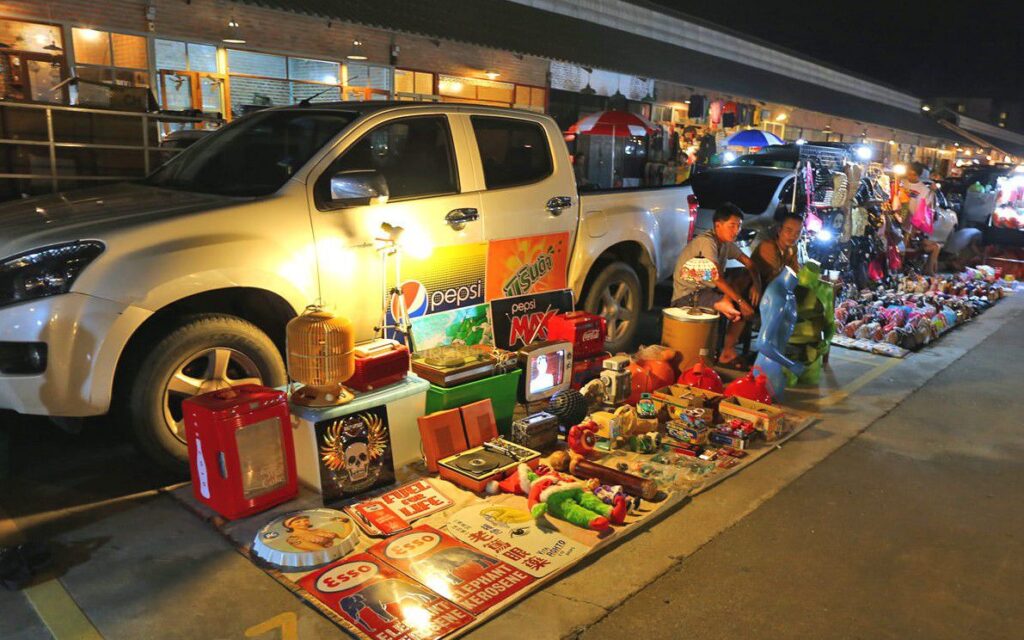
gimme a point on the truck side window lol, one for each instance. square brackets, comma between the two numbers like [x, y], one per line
[513, 152]
[415, 156]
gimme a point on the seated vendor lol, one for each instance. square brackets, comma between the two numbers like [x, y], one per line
[778, 248]
[733, 295]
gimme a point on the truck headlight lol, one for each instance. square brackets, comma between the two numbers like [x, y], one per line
[47, 271]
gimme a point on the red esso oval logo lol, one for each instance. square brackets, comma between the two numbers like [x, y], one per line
[346, 576]
[412, 545]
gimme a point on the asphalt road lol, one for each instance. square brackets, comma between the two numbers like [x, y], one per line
[911, 530]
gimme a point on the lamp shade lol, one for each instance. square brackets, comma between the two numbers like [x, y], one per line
[321, 357]
[700, 269]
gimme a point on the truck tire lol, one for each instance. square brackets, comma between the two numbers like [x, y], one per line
[201, 353]
[616, 295]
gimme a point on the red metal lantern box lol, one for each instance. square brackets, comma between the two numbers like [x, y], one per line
[240, 449]
[586, 332]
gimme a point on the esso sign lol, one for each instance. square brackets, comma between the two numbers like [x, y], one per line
[412, 545]
[346, 576]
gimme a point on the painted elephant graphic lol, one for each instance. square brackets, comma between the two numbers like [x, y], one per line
[377, 597]
[449, 560]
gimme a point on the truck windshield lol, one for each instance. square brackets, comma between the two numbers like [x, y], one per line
[254, 156]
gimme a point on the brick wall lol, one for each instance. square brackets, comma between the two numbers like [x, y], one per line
[280, 32]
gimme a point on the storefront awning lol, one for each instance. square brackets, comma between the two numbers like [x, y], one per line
[523, 29]
[974, 138]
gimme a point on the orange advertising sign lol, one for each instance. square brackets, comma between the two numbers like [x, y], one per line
[534, 264]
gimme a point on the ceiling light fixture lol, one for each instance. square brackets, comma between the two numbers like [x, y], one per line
[356, 52]
[233, 34]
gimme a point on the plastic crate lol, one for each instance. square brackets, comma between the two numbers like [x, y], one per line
[501, 389]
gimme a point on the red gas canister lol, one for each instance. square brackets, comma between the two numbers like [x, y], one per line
[702, 376]
[752, 387]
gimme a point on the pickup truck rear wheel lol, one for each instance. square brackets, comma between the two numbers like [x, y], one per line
[616, 295]
[202, 353]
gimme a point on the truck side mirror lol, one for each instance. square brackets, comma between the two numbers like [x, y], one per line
[358, 188]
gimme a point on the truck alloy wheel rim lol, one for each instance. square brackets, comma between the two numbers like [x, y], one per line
[207, 370]
[617, 306]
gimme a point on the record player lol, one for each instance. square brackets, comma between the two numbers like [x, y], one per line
[475, 468]
[450, 365]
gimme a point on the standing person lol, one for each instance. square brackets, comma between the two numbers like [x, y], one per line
[733, 295]
[778, 249]
[918, 189]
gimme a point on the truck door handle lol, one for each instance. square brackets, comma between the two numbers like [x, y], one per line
[457, 218]
[556, 205]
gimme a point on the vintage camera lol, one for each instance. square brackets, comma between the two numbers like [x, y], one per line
[618, 384]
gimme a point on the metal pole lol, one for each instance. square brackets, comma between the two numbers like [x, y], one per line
[145, 143]
[53, 149]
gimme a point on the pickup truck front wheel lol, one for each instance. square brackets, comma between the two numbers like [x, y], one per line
[616, 295]
[202, 353]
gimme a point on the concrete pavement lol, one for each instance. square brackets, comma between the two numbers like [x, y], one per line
[911, 530]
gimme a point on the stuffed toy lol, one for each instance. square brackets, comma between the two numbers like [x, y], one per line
[564, 497]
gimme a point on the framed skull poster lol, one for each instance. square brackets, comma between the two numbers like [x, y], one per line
[354, 454]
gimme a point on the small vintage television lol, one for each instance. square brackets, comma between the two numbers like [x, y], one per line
[547, 369]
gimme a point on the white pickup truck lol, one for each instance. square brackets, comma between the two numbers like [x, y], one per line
[128, 298]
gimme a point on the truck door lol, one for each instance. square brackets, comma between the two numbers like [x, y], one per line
[528, 188]
[440, 250]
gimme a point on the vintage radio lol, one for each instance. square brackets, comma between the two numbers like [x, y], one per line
[537, 431]
[451, 365]
[379, 363]
[240, 449]
[476, 468]
[586, 332]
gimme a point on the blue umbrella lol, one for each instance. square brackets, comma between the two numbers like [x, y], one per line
[753, 138]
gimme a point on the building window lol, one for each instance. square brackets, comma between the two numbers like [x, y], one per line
[185, 56]
[264, 80]
[33, 62]
[111, 58]
[414, 85]
[367, 82]
[488, 92]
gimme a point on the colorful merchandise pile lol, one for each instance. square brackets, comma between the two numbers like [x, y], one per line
[893, 322]
[442, 513]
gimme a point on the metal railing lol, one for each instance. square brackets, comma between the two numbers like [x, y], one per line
[52, 143]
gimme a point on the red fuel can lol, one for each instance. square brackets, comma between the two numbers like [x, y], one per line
[240, 449]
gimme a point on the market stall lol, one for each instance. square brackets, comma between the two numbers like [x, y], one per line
[419, 504]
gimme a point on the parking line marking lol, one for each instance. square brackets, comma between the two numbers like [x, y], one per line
[288, 622]
[51, 601]
[848, 389]
[59, 612]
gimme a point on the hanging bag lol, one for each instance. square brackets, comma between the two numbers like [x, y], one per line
[923, 217]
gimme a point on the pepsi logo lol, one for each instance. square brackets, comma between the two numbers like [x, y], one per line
[416, 298]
